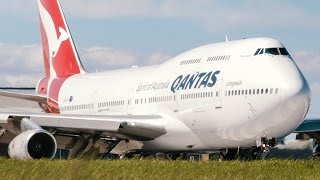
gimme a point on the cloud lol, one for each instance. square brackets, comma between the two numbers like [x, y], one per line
[308, 61]
[21, 57]
[19, 80]
[22, 65]
[315, 87]
[106, 58]
[212, 14]
[156, 58]
[103, 58]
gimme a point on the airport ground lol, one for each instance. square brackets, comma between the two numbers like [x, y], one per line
[157, 169]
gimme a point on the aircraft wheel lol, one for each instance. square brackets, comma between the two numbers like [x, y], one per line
[232, 154]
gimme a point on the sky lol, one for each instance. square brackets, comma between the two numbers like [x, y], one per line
[112, 34]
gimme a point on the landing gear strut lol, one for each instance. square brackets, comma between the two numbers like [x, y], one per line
[263, 147]
[316, 142]
[316, 150]
[241, 154]
[111, 145]
[88, 145]
[260, 151]
[78, 146]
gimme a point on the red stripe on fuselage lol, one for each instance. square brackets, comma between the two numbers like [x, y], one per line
[42, 87]
[53, 96]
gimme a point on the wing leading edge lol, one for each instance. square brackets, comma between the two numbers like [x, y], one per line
[308, 125]
[142, 127]
[308, 129]
[145, 127]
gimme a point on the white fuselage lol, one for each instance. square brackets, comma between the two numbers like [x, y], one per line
[212, 97]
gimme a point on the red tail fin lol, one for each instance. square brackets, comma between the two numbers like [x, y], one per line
[60, 55]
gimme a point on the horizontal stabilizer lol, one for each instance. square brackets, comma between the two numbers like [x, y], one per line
[29, 97]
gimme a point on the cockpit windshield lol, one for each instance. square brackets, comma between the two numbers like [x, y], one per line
[272, 51]
[284, 51]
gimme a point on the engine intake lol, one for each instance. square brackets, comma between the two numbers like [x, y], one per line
[33, 144]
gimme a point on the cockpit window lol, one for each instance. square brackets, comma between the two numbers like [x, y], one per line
[273, 51]
[257, 52]
[262, 51]
[284, 51]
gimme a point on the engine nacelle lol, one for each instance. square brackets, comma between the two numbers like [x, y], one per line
[33, 144]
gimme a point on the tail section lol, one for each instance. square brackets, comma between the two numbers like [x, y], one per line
[61, 59]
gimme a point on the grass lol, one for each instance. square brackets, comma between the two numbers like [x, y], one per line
[152, 169]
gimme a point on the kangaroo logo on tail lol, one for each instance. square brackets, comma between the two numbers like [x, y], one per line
[63, 37]
[61, 59]
[60, 55]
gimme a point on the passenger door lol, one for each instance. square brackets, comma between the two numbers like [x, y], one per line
[218, 94]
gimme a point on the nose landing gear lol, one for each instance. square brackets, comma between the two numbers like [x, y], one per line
[263, 147]
[260, 151]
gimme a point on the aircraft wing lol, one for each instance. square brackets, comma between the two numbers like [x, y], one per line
[309, 125]
[308, 129]
[144, 127]
[30, 97]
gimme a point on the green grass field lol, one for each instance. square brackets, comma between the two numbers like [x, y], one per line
[156, 169]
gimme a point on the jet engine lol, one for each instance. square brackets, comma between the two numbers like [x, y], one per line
[33, 144]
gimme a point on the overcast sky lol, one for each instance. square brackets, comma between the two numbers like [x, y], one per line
[113, 34]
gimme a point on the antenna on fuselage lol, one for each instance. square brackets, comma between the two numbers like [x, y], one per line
[227, 39]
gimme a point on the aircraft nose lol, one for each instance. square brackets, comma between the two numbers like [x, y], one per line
[296, 97]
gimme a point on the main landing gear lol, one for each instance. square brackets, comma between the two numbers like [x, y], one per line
[252, 153]
[316, 142]
[316, 150]
[88, 146]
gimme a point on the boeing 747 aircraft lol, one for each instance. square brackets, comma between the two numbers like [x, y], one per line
[225, 96]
